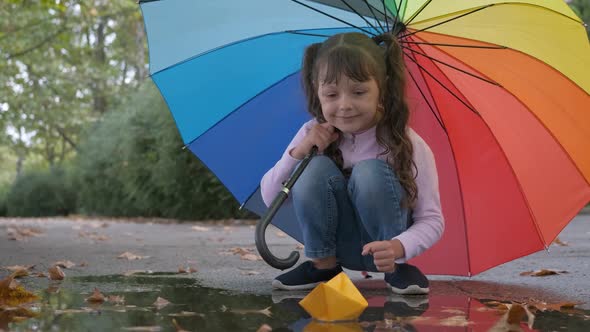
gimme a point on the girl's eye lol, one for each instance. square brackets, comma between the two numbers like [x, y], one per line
[359, 93]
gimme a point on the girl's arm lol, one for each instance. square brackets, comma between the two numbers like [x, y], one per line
[272, 181]
[428, 224]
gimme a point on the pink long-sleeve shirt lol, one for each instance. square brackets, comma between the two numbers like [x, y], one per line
[428, 220]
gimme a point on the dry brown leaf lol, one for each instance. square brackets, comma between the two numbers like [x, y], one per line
[186, 269]
[515, 314]
[41, 275]
[15, 268]
[96, 297]
[177, 327]
[21, 233]
[55, 273]
[143, 328]
[160, 303]
[129, 256]
[455, 321]
[65, 264]
[20, 273]
[264, 328]
[558, 242]
[542, 273]
[200, 228]
[543, 306]
[83, 264]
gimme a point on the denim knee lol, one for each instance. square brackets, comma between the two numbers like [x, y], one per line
[370, 177]
[315, 176]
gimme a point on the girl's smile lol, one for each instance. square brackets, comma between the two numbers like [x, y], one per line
[349, 105]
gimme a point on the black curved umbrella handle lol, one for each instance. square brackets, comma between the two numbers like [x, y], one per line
[260, 239]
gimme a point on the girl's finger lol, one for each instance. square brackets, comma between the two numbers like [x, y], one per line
[383, 254]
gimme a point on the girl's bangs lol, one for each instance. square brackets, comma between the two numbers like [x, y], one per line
[349, 61]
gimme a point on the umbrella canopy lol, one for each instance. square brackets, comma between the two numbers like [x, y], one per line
[500, 90]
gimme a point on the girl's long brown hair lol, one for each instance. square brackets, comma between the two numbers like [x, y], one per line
[361, 58]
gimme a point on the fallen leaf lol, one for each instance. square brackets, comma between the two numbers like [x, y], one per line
[186, 269]
[200, 228]
[543, 306]
[178, 328]
[116, 299]
[250, 257]
[132, 272]
[249, 273]
[455, 321]
[96, 297]
[21, 233]
[542, 273]
[10, 314]
[83, 264]
[65, 264]
[264, 328]
[20, 273]
[558, 242]
[55, 273]
[515, 314]
[41, 275]
[265, 311]
[15, 268]
[160, 303]
[143, 328]
[13, 294]
[129, 256]
[186, 314]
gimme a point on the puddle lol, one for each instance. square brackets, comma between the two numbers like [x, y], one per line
[62, 307]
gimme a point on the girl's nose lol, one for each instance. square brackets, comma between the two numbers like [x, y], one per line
[345, 103]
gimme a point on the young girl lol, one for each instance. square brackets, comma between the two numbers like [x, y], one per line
[369, 200]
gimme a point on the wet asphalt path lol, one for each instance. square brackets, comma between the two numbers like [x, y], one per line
[98, 243]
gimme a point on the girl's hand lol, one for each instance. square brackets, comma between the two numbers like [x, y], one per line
[384, 253]
[320, 135]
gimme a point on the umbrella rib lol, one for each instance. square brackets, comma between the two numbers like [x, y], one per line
[451, 66]
[417, 13]
[462, 199]
[359, 14]
[442, 85]
[455, 45]
[239, 107]
[385, 13]
[333, 17]
[307, 34]
[374, 16]
[396, 20]
[428, 103]
[449, 20]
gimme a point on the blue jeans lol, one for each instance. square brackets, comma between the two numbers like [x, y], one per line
[338, 216]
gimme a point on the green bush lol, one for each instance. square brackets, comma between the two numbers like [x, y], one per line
[132, 163]
[41, 193]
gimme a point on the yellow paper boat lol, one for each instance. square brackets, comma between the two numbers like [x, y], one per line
[335, 300]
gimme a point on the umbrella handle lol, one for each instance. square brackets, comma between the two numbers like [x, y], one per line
[279, 263]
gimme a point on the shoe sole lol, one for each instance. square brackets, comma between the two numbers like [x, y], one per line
[410, 290]
[276, 284]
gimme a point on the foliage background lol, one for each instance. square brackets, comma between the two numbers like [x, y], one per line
[82, 128]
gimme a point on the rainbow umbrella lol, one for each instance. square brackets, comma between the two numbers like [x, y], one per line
[498, 89]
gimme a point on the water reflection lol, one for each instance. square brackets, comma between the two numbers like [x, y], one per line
[195, 308]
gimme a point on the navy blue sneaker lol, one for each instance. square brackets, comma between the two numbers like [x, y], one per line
[305, 276]
[407, 280]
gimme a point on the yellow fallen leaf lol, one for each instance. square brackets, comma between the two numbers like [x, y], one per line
[129, 256]
[55, 273]
[65, 264]
[13, 294]
[160, 303]
[96, 297]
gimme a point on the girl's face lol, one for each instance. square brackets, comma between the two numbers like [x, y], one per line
[349, 105]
